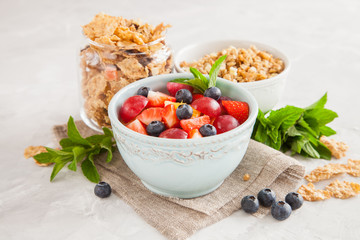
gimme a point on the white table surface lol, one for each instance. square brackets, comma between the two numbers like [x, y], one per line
[39, 43]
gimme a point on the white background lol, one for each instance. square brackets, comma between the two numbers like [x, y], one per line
[39, 43]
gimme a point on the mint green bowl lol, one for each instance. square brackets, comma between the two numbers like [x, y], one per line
[184, 168]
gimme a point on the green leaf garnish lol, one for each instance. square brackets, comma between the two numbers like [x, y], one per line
[76, 150]
[200, 82]
[296, 129]
[214, 71]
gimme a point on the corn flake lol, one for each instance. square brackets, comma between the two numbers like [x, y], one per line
[354, 168]
[326, 172]
[336, 148]
[309, 193]
[343, 189]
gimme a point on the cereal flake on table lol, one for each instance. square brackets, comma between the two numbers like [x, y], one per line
[31, 151]
[343, 189]
[241, 65]
[326, 172]
[120, 51]
[337, 149]
[309, 193]
[354, 167]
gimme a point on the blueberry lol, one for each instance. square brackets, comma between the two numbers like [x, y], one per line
[250, 204]
[183, 95]
[102, 190]
[280, 210]
[184, 111]
[295, 200]
[207, 130]
[155, 128]
[213, 92]
[266, 197]
[143, 91]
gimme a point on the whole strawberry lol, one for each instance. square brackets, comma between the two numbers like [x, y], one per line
[237, 109]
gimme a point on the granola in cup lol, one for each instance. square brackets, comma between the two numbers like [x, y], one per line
[117, 52]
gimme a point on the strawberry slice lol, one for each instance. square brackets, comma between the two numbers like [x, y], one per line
[195, 114]
[157, 99]
[237, 109]
[137, 126]
[197, 96]
[169, 116]
[195, 133]
[151, 114]
[194, 123]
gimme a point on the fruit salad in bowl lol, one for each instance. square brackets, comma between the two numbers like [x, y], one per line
[179, 140]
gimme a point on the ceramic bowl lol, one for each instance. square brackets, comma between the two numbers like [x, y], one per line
[267, 92]
[184, 168]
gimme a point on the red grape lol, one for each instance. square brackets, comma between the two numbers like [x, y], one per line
[176, 133]
[225, 123]
[207, 106]
[132, 107]
[174, 87]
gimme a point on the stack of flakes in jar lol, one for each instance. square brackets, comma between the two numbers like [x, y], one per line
[118, 52]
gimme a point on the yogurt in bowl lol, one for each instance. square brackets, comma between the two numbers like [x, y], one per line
[184, 168]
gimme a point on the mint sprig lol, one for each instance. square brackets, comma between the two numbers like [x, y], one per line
[200, 82]
[76, 150]
[296, 129]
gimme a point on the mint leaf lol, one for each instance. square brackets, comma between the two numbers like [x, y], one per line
[107, 144]
[79, 154]
[90, 171]
[74, 135]
[76, 149]
[55, 152]
[283, 119]
[56, 170]
[302, 123]
[44, 157]
[214, 71]
[318, 104]
[66, 142]
[296, 129]
[322, 116]
[308, 148]
[199, 75]
[107, 132]
[95, 139]
[324, 152]
[327, 131]
[195, 83]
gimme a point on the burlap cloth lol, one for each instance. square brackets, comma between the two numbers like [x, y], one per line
[180, 218]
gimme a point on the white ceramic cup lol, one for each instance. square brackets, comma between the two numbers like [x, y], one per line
[267, 92]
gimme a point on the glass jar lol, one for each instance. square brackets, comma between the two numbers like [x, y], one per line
[105, 69]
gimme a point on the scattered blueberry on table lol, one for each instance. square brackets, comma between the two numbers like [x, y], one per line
[281, 210]
[250, 204]
[294, 199]
[102, 190]
[266, 197]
